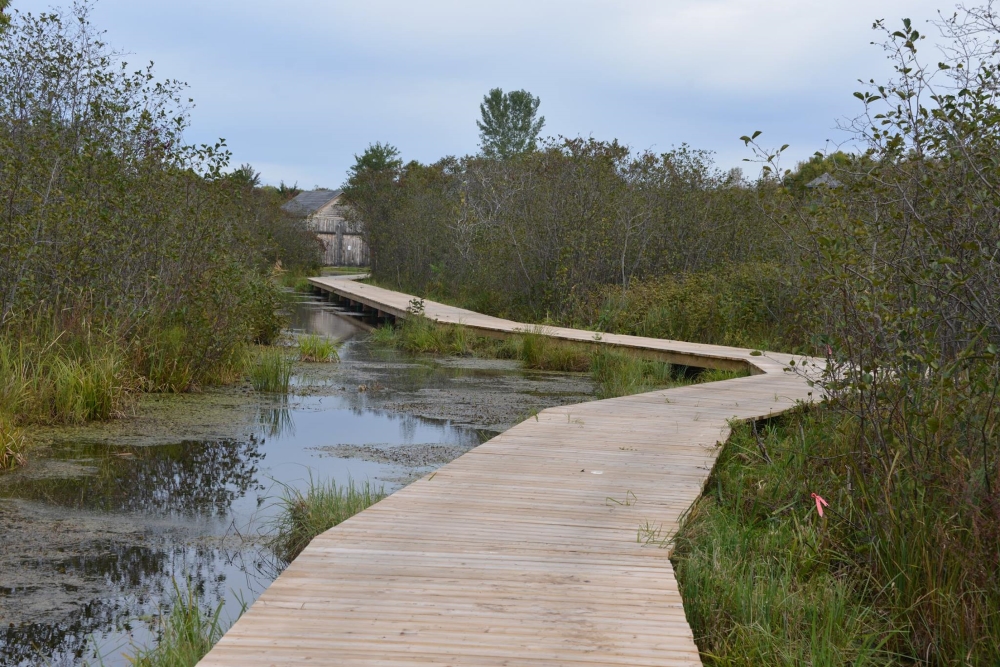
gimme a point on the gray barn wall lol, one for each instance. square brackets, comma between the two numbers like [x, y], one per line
[344, 245]
[344, 249]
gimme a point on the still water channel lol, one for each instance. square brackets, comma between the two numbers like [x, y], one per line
[106, 520]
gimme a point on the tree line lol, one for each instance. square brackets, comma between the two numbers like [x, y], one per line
[115, 233]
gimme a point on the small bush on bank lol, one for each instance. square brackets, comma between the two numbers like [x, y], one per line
[322, 506]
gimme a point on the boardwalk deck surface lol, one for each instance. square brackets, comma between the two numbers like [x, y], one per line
[529, 549]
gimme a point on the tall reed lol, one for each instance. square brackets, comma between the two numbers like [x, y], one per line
[58, 379]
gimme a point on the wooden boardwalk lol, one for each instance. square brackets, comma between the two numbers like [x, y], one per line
[531, 548]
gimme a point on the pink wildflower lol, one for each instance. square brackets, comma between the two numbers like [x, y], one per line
[820, 503]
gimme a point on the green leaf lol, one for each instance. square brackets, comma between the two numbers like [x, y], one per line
[756, 134]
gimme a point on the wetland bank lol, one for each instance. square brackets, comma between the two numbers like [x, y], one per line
[106, 517]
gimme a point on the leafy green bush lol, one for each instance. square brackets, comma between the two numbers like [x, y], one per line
[743, 305]
[536, 235]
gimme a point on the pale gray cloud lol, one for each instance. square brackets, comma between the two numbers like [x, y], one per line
[298, 87]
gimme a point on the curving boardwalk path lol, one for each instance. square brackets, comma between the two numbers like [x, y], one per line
[517, 553]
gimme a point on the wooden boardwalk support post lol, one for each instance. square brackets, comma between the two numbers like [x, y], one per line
[542, 546]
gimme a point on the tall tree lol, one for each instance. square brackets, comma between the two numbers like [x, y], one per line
[371, 191]
[509, 126]
[377, 158]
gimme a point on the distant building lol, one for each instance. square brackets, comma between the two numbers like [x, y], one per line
[343, 242]
[826, 179]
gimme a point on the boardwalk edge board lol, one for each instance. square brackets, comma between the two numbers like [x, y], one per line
[512, 554]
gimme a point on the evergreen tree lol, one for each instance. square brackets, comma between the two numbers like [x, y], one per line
[509, 126]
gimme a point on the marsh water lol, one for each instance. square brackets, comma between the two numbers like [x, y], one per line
[108, 520]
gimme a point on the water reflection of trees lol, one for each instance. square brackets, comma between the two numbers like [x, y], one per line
[139, 579]
[191, 477]
[275, 420]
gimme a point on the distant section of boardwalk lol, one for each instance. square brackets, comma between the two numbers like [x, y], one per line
[531, 549]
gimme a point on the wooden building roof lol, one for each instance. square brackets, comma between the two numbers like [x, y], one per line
[307, 203]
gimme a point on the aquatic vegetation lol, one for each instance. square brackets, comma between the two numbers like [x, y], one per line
[617, 372]
[321, 507]
[270, 370]
[187, 633]
[313, 347]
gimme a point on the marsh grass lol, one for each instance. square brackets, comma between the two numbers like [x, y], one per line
[538, 351]
[617, 372]
[13, 444]
[323, 505]
[59, 380]
[186, 634]
[316, 348]
[270, 370]
[766, 580]
[760, 579]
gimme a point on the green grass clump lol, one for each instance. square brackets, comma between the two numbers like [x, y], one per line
[187, 634]
[270, 370]
[318, 348]
[59, 380]
[538, 351]
[322, 506]
[761, 584]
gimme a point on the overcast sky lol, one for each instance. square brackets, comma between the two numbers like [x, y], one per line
[298, 87]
